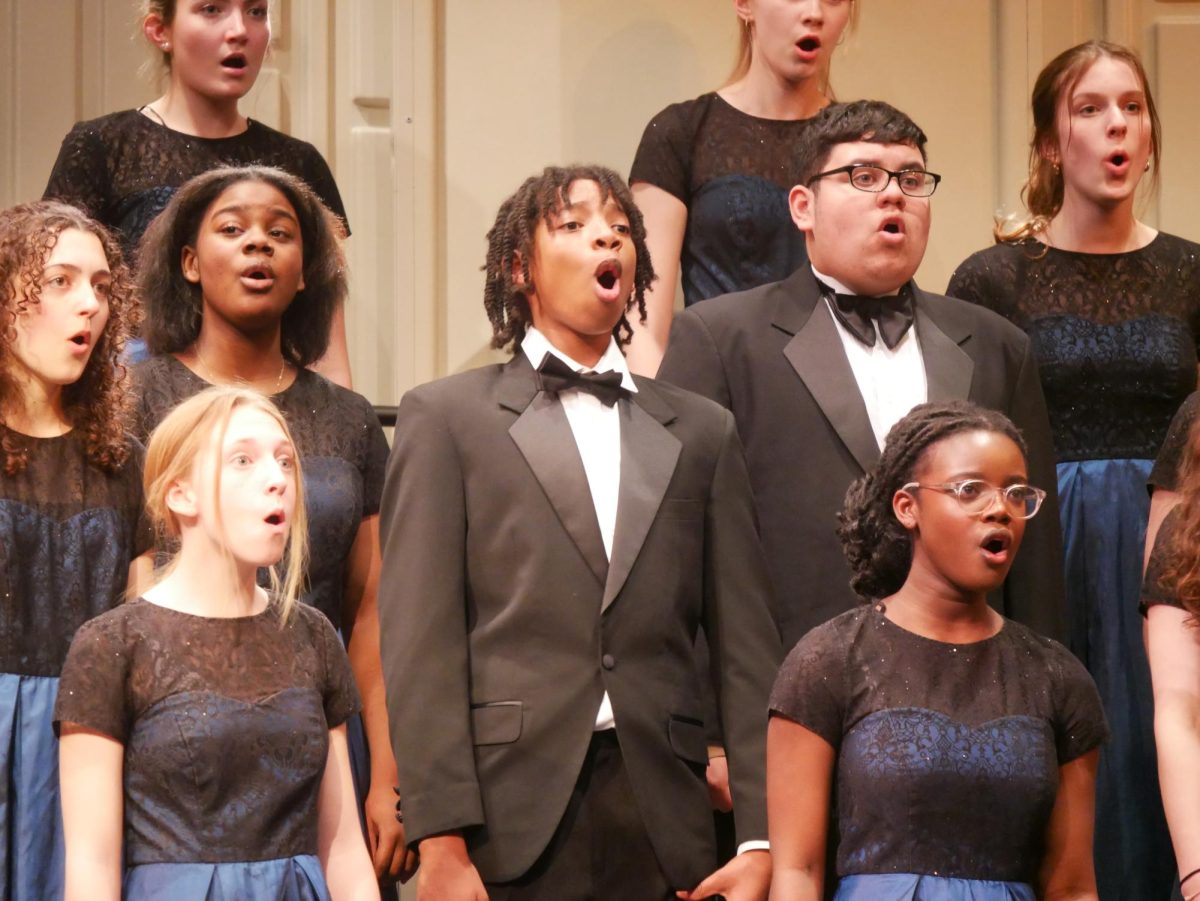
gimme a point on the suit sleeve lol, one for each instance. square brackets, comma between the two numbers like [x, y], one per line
[745, 647]
[423, 622]
[1034, 593]
[692, 360]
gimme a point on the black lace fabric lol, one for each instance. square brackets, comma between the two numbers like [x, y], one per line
[123, 168]
[68, 532]
[1115, 336]
[733, 172]
[343, 453]
[947, 755]
[1156, 587]
[1165, 473]
[225, 724]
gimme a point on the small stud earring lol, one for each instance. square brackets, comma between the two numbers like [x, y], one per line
[1147, 169]
[166, 45]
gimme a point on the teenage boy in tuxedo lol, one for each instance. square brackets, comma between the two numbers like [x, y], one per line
[818, 367]
[555, 530]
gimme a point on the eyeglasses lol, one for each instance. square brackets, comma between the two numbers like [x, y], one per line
[976, 496]
[913, 182]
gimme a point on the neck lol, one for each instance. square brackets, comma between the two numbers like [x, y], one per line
[206, 582]
[586, 350]
[224, 355]
[931, 607]
[193, 114]
[38, 412]
[760, 92]
[1088, 227]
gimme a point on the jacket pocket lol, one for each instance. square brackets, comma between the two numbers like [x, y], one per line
[496, 722]
[688, 739]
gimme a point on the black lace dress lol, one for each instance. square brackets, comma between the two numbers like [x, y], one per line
[123, 168]
[733, 172]
[342, 451]
[68, 533]
[1115, 336]
[947, 755]
[225, 724]
[1167, 464]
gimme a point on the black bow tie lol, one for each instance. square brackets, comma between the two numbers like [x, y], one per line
[859, 313]
[555, 375]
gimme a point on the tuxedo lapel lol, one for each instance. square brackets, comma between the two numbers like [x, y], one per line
[816, 354]
[544, 437]
[648, 456]
[948, 368]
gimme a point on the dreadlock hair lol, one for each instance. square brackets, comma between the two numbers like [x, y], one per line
[1043, 191]
[98, 403]
[1182, 572]
[511, 243]
[175, 306]
[848, 123]
[877, 547]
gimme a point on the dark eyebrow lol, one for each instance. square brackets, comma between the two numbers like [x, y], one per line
[276, 211]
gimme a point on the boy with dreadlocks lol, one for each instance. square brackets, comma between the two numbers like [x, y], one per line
[554, 532]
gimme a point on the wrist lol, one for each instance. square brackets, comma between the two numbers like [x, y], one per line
[446, 846]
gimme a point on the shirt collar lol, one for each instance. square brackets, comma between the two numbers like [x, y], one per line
[837, 286]
[535, 345]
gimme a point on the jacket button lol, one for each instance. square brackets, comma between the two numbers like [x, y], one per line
[608, 661]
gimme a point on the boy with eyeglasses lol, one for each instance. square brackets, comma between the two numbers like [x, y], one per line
[818, 367]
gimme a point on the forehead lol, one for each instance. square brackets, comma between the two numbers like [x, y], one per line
[77, 248]
[1108, 75]
[252, 196]
[585, 193]
[248, 423]
[991, 453]
[890, 156]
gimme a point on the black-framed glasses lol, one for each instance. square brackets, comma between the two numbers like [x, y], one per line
[913, 182]
[976, 496]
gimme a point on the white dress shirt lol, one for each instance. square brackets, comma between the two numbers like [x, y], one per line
[891, 380]
[597, 431]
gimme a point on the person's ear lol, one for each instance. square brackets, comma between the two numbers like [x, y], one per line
[518, 271]
[904, 506]
[743, 11]
[157, 32]
[181, 499]
[190, 264]
[801, 203]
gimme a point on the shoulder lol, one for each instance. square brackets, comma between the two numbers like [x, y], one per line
[317, 392]
[684, 116]
[973, 317]
[684, 402]
[258, 132]
[831, 640]
[118, 628]
[741, 310]
[458, 390]
[311, 625]
[108, 125]
[1044, 654]
[1177, 250]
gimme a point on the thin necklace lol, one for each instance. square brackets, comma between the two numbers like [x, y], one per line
[148, 108]
[210, 375]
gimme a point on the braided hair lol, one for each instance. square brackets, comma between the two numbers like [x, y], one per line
[511, 240]
[877, 547]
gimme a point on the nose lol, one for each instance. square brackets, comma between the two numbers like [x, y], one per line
[812, 11]
[996, 510]
[1117, 125]
[235, 26]
[90, 302]
[891, 192]
[607, 237]
[276, 477]
[258, 242]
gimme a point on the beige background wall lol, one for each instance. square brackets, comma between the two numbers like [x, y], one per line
[432, 111]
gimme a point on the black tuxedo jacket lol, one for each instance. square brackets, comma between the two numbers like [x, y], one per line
[503, 622]
[774, 357]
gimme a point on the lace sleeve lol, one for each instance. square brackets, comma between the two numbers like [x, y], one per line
[663, 155]
[1155, 587]
[983, 278]
[93, 689]
[80, 176]
[316, 172]
[339, 692]
[1080, 725]
[810, 687]
[1165, 473]
[374, 465]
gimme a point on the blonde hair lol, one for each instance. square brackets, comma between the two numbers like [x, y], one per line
[745, 51]
[181, 439]
[1043, 191]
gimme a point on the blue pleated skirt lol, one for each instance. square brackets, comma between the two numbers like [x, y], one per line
[1103, 506]
[916, 887]
[285, 879]
[31, 836]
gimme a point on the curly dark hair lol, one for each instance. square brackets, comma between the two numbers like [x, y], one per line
[849, 123]
[98, 403]
[1182, 571]
[175, 306]
[511, 238]
[877, 547]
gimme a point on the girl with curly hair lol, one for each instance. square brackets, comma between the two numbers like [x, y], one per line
[1170, 604]
[72, 530]
[203, 727]
[964, 743]
[240, 277]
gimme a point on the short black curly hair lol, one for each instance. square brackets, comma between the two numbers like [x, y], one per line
[877, 547]
[511, 239]
[848, 123]
[174, 306]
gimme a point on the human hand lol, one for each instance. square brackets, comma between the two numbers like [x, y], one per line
[745, 878]
[390, 856]
[717, 775]
[447, 873]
